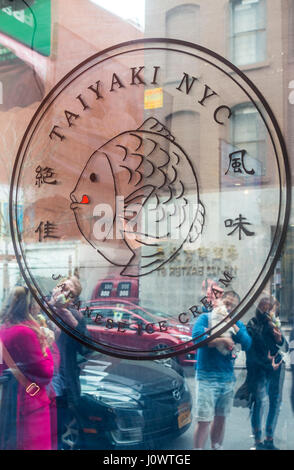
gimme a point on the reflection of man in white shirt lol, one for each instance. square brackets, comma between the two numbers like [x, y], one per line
[215, 379]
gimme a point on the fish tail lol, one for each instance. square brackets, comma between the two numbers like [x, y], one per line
[198, 224]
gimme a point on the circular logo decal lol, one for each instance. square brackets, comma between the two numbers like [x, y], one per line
[156, 172]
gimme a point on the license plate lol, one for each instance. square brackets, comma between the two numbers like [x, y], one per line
[184, 417]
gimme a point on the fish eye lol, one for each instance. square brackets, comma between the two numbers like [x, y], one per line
[93, 177]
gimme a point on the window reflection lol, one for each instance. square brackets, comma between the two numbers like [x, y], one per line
[248, 31]
[20, 84]
[188, 14]
[179, 121]
[248, 133]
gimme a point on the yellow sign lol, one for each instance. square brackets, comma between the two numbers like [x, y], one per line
[153, 98]
[184, 417]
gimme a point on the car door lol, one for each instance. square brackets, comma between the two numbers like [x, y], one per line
[102, 325]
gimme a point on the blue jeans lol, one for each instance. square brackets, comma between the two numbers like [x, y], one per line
[267, 386]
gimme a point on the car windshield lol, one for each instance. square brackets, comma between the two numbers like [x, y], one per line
[160, 313]
[149, 315]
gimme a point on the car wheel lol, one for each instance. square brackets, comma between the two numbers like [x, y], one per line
[71, 437]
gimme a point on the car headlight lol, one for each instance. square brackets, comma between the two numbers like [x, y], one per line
[184, 338]
[129, 436]
[115, 399]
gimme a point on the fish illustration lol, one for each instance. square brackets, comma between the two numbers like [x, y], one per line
[144, 186]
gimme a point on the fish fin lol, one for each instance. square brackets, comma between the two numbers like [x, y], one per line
[152, 124]
[140, 195]
[135, 267]
[198, 224]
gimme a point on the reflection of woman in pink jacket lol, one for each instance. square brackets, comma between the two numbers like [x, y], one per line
[26, 344]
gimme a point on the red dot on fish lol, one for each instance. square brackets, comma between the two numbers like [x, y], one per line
[85, 199]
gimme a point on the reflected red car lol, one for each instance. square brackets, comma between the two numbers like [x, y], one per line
[146, 312]
[133, 327]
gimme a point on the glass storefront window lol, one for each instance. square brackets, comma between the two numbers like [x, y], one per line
[146, 226]
[248, 132]
[248, 31]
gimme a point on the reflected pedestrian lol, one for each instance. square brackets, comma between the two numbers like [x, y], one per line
[215, 380]
[265, 371]
[26, 354]
[66, 382]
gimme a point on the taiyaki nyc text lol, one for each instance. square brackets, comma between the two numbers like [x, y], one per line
[184, 84]
[139, 188]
